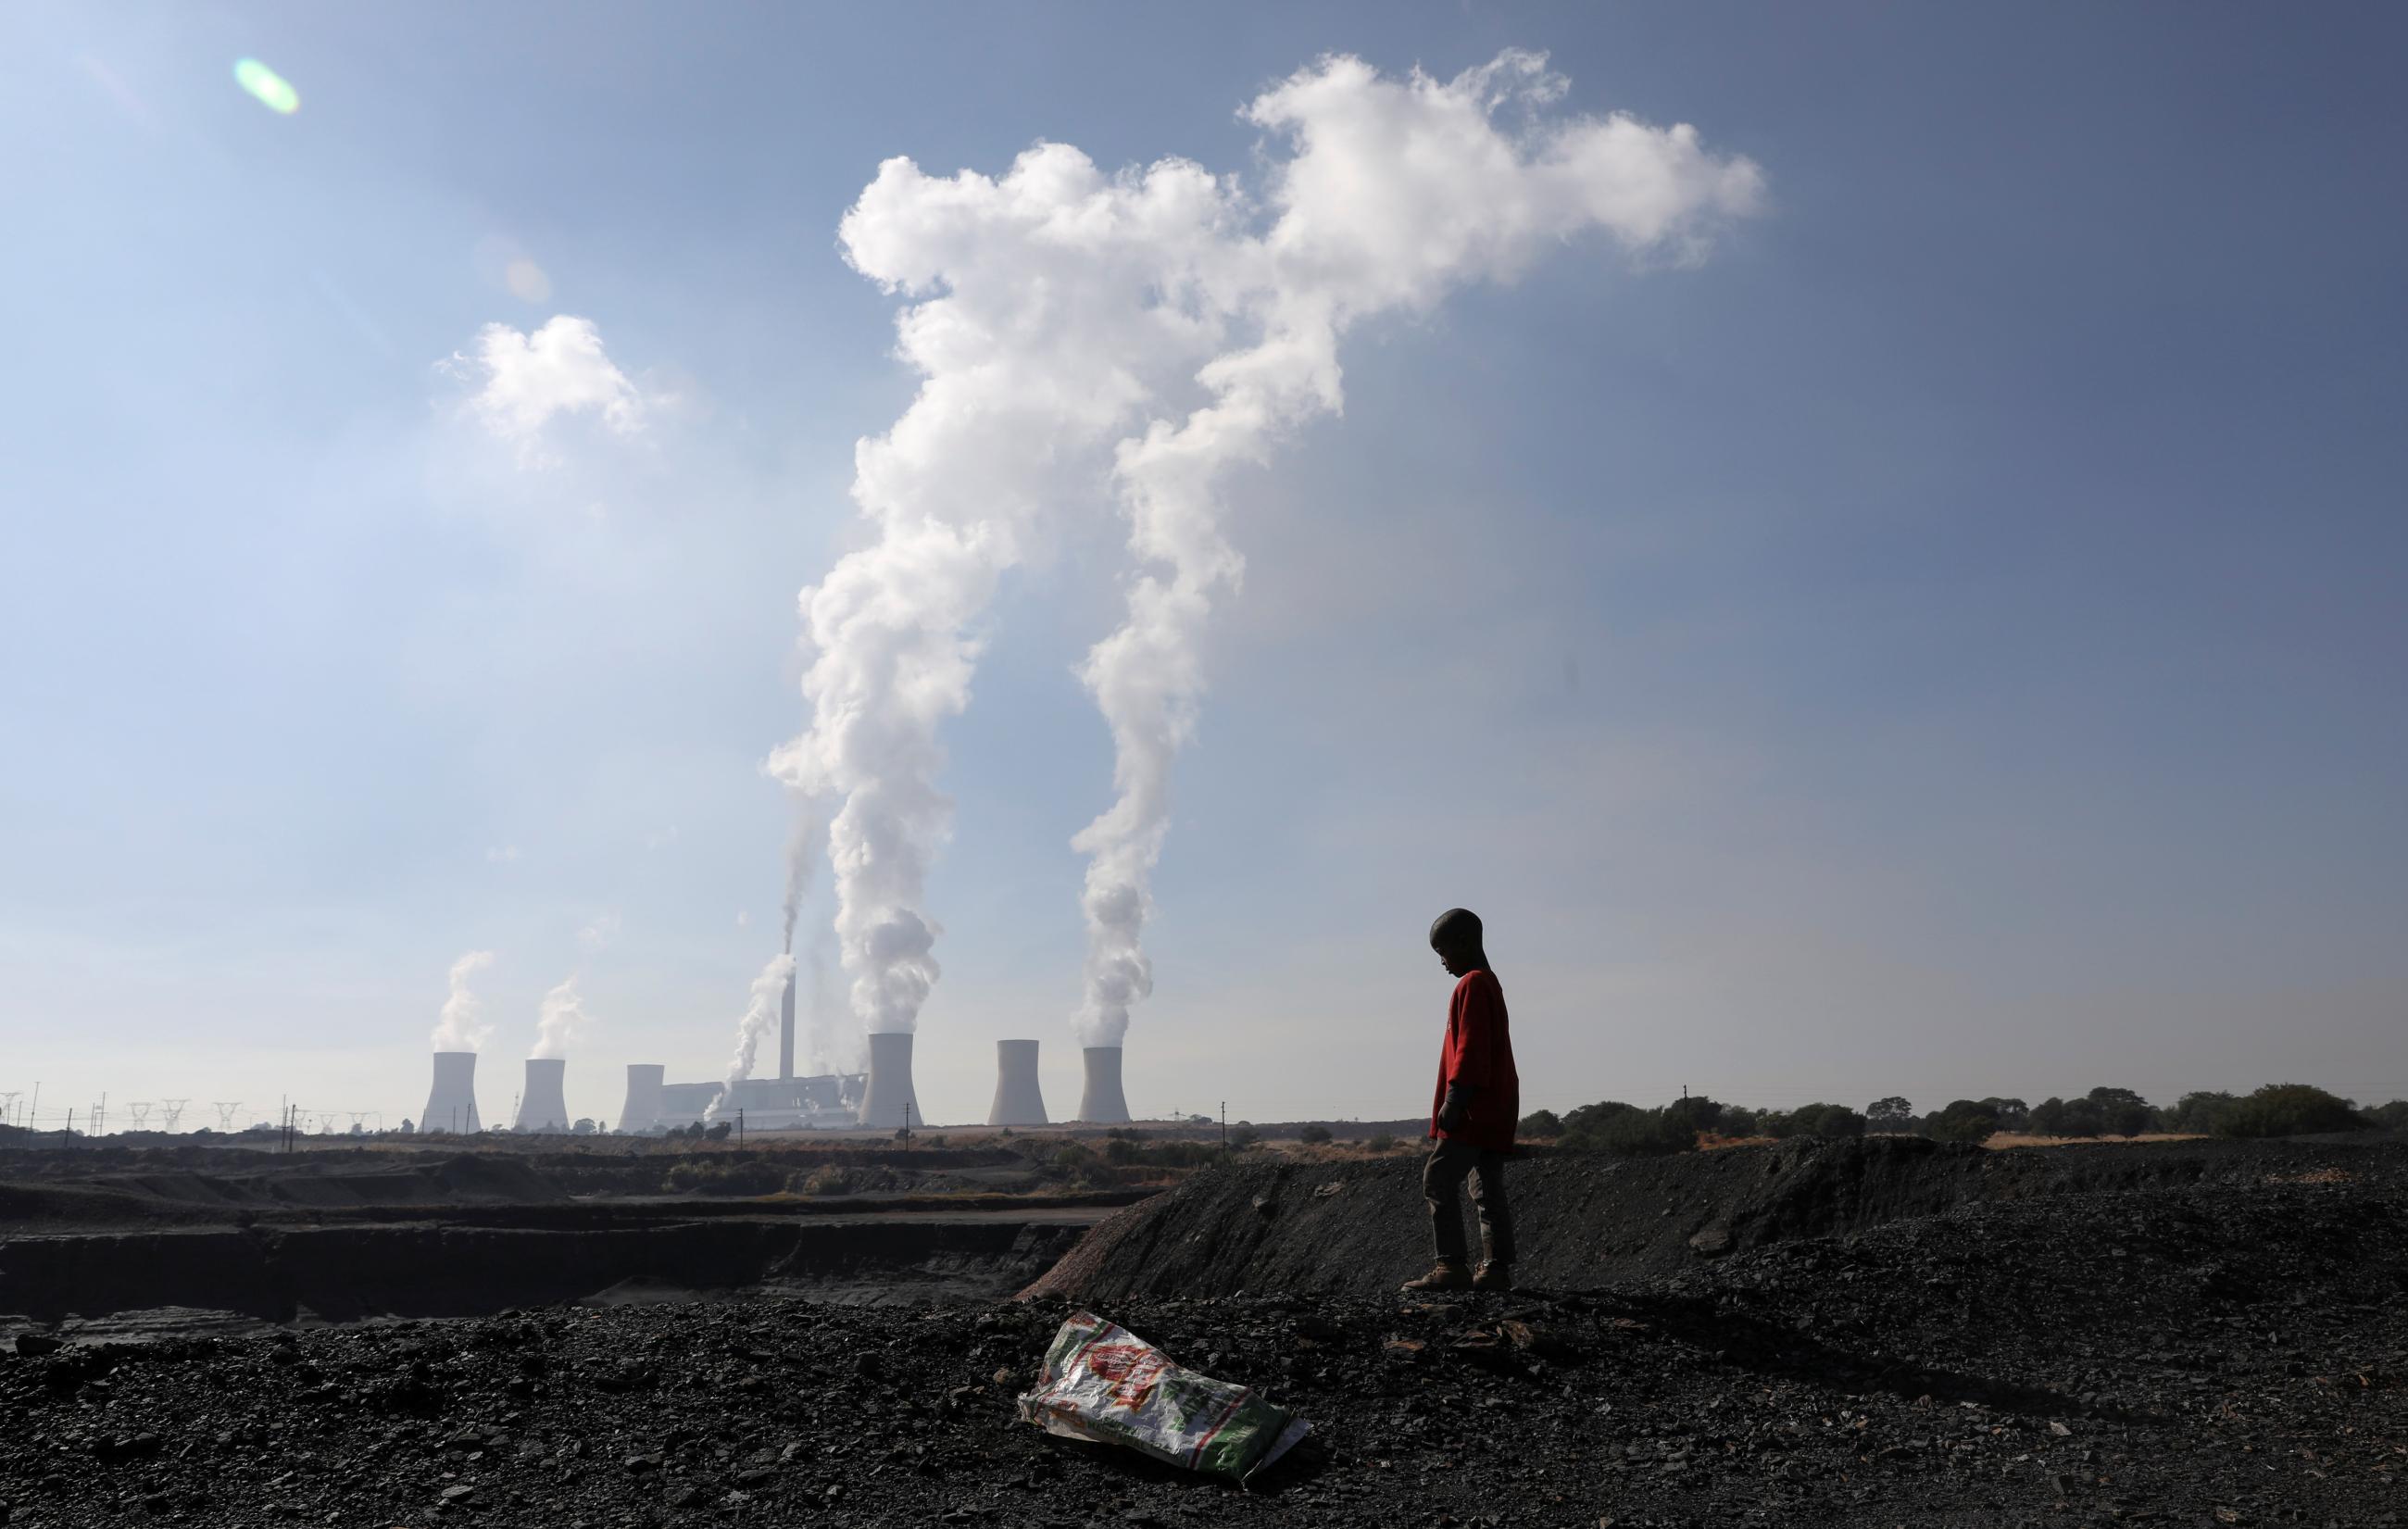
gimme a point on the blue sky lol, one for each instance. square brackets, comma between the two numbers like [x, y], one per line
[1944, 642]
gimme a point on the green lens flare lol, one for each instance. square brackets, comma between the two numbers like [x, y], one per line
[273, 90]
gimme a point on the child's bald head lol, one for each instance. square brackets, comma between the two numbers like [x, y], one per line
[1455, 935]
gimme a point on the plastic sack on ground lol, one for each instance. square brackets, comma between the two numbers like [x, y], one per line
[1105, 1383]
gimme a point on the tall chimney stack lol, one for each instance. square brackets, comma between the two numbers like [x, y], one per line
[786, 1033]
[890, 1081]
[543, 1107]
[1102, 1103]
[1018, 1101]
[452, 1104]
[642, 1110]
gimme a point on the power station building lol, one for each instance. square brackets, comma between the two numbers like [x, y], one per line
[882, 1098]
[831, 1101]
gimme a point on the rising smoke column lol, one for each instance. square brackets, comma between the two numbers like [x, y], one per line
[1084, 337]
[1395, 191]
[760, 1018]
[1044, 316]
[558, 1018]
[462, 1026]
[805, 844]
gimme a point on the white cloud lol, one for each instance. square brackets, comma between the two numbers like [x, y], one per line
[599, 932]
[525, 380]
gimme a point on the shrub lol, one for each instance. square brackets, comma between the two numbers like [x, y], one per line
[2055, 1117]
[1244, 1136]
[2011, 1114]
[1893, 1113]
[2287, 1110]
[1540, 1122]
[2122, 1113]
[1628, 1131]
[2390, 1117]
[828, 1179]
[724, 1176]
[1589, 1119]
[1313, 1135]
[1963, 1120]
[1738, 1121]
[1696, 1111]
[1828, 1121]
[1383, 1142]
[1833, 1121]
[2198, 1111]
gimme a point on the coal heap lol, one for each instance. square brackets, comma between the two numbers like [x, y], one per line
[2228, 1349]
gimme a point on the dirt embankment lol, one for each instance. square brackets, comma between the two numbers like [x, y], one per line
[1358, 1228]
[343, 1273]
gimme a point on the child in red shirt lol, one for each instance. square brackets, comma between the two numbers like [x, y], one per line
[1473, 1116]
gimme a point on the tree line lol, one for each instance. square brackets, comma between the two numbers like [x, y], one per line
[2277, 1109]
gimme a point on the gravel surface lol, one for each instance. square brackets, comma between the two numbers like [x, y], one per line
[2198, 1355]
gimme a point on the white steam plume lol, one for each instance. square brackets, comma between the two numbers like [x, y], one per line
[828, 1050]
[462, 1026]
[1045, 318]
[805, 844]
[1082, 336]
[558, 1018]
[760, 1018]
[1395, 191]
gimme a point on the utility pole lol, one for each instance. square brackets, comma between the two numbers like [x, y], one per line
[740, 1126]
[1225, 1128]
[66, 1138]
[907, 1125]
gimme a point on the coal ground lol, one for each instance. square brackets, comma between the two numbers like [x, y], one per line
[2192, 1334]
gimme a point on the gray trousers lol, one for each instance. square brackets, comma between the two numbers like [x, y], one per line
[1443, 1175]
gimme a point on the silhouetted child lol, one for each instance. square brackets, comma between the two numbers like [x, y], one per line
[1472, 1115]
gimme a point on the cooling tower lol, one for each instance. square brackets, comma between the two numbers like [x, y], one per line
[543, 1107]
[786, 1032]
[1018, 1101]
[642, 1110]
[453, 1105]
[1102, 1103]
[890, 1081]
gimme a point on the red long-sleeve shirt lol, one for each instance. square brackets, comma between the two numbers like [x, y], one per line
[1478, 1051]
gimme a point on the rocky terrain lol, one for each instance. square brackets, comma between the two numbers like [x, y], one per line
[2161, 1345]
[1331, 1227]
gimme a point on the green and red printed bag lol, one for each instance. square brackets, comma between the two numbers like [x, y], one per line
[1105, 1383]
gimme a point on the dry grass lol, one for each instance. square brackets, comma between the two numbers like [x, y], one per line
[1340, 1151]
[1709, 1141]
[2011, 1139]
